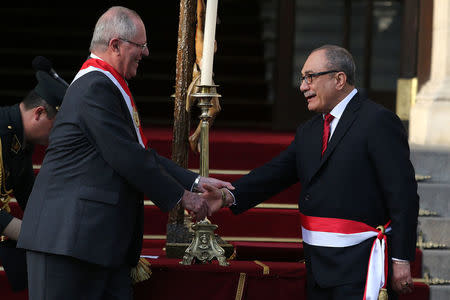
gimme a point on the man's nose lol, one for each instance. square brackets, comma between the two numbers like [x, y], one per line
[304, 86]
[145, 52]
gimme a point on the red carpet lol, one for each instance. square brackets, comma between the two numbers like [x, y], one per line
[259, 280]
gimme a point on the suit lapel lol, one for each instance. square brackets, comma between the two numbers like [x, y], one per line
[347, 118]
[312, 148]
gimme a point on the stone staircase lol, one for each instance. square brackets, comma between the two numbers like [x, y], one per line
[434, 221]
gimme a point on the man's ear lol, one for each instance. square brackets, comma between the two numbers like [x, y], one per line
[114, 45]
[341, 80]
[38, 112]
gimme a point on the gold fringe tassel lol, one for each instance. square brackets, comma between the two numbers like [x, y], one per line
[383, 295]
[141, 272]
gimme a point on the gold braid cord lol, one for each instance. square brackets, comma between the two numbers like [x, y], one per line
[5, 194]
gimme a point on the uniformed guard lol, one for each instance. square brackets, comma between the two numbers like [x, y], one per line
[21, 126]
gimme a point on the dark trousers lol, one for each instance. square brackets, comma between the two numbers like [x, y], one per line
[55, 277]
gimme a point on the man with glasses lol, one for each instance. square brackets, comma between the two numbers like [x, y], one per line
[359, 197]
[83, 228]
[21, 127]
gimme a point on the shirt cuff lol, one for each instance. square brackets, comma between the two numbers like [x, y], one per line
[194, 187]
[398, 259]
[232, 195]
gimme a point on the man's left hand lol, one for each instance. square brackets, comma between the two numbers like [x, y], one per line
[401, 278]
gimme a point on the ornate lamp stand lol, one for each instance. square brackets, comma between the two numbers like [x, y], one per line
[204, 246]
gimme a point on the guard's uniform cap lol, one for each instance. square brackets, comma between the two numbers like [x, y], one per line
[51, 90]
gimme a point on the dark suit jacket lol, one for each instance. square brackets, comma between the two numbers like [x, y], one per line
[87, 201]
[365, 175]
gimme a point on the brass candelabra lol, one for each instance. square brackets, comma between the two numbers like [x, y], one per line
[204, 246]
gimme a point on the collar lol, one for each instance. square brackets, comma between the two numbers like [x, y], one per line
[338, 110]
[92, 55]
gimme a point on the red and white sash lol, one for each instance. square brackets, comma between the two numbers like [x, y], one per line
[95, 63]
[332, 232]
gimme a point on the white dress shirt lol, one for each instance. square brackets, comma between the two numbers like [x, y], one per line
[338, 110]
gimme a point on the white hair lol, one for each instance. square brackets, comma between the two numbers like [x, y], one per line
[116, 22]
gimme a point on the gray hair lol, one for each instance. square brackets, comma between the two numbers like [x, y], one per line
[116, 22]
[340, 59]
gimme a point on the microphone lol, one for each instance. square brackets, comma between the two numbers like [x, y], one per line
[41, 63]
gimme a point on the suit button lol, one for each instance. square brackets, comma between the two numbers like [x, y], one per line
[307, 197]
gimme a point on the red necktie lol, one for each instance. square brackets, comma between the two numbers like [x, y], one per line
[326, 131]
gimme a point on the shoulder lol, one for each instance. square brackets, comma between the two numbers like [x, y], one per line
[92, 86]
[91, 80]
[376, 112]
[309, 124]
[380, 122]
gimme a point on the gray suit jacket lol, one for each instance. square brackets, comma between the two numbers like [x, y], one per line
[87, 201]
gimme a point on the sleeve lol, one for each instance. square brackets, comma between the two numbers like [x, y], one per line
[108, 128]
[184, 177]
[266, 181]
[389, 151]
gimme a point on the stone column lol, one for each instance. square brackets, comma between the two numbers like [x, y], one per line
[430, 116]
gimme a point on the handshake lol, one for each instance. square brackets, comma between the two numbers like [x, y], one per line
[213, 194]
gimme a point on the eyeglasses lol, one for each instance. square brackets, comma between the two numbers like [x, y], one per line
[308, 77]
[142, 46]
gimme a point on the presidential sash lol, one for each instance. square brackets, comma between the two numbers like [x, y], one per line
[95, 63]
[333, 232]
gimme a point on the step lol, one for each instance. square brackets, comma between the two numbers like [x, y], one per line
[231, 149]
[435, 229]
[433, 161]
[421, 292]
[436, 262]
[244, 250]
[439, 292]
[435, 197]
[269, 225]
[287, 199]
[417, 264]
[153, 243]
[272, 251]
[5, 289]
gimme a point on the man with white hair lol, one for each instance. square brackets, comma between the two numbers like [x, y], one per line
[84, 223]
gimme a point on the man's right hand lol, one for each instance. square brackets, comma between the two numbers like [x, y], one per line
[217, 198]
[196, 205]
